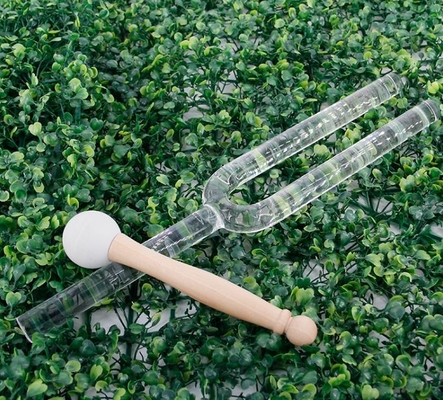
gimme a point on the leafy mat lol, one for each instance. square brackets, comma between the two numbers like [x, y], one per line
[129, 106]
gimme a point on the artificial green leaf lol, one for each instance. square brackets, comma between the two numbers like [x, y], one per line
[35, 128]
[13, 299]
[36, 388]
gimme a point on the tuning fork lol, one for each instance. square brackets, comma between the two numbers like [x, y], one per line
[218, 211]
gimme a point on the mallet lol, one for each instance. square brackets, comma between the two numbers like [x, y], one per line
[93, 239]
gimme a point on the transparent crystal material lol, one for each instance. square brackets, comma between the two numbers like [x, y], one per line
[253, 218]
[218, 211]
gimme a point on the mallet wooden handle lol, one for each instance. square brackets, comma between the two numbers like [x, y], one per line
[212, 290]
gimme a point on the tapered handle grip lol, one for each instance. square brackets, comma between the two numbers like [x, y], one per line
[212, 290]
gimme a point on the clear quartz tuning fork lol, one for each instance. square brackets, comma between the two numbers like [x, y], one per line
[218, 211]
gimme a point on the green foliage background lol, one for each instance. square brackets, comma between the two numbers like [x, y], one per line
[122, 106]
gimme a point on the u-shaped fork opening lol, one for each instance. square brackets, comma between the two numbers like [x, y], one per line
[273, 209]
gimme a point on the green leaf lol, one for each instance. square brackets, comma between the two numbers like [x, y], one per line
[396, 310]
[137, 329]
[437, 323]
[321, 150]
[95, 372]
[422, 255]
[302, 296]
[433, 87]
[369, 393]
[269, 341]
[64, 378]
[120, 150]
[279, 23]
[75, 84]
[100, 386]
[4, 196]
[374, 259]
[43, 224]
[407, 184]
[119, 394]
[73, 366]
[159, 345]
[154, 229]
[36, 388]
[35, 128]
[13, 299]
[88, 348]
[96, 124]
[163, 179]
[81, 94]
[19, 50]
[414, 384]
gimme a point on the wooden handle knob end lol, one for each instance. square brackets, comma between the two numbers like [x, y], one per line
[301, 330]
